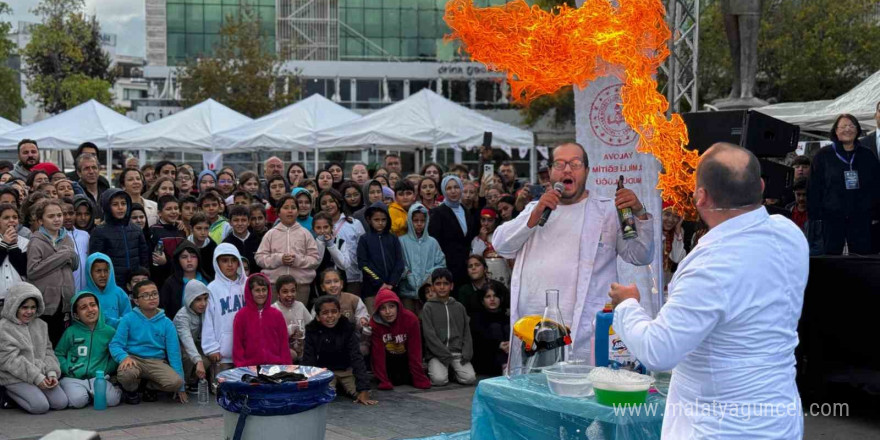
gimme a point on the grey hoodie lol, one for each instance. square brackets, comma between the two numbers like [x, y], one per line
[189, 324]
[446, 330]
[26, 354]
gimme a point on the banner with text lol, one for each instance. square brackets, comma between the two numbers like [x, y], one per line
[611, 147]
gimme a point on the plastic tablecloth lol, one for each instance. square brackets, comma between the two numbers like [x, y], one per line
[524, 408]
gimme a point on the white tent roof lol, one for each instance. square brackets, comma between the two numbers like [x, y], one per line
[90, 121]
[293, 127]
[423, 119]
[193, 128]
[860, 102]
[7, 125]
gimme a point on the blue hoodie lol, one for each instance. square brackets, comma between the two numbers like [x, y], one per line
[113, 300]
[422, 254]
[153, 338]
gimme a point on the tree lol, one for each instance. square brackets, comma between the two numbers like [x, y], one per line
[64, 62]
[10, 92]
[243, 73]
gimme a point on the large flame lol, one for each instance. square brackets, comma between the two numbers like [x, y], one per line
[544, 51]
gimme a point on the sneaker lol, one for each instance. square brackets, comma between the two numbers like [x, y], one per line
[192, 388]
[131, 397]
[150, 396]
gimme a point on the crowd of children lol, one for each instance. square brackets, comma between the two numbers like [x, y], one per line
[194, 279]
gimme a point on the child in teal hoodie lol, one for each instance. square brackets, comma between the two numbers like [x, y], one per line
[84, 349]
[421, 252]
[144, 340]
[101, 281]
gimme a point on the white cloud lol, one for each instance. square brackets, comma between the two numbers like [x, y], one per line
[125, 18]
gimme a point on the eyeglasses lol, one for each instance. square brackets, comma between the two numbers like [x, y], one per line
[225, 182]
[575, 164]
[153, 295]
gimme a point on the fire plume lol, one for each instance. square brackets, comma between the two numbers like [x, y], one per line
[544, 51]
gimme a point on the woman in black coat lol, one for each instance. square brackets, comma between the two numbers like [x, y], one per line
[446, 227]
[844, 190]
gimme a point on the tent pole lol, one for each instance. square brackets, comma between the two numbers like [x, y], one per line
[110, 165]
[533, 164]
[434, 154]
[316, 163]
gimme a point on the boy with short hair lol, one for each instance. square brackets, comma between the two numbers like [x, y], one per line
[188, 323]
[144, 341]
[241, 237]
[227, 298]
[422, 254]
[404, 196]
[101, 282]
[185, 261]
[380, 256]
[200, 228]
[210, 203]
[242, 198]
[135, 276]
[447, 334]
[332, 342]
[188, 207]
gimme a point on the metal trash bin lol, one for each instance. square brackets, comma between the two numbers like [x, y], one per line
[291, 410]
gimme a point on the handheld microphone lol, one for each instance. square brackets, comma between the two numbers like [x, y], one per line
[559, 188]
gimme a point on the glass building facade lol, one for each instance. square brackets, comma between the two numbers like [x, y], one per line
[193, 26]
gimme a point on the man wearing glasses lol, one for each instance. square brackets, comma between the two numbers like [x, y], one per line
[575, 252]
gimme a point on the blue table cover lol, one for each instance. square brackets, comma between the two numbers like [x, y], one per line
[524, 408]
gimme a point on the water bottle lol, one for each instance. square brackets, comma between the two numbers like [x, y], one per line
[203, 391]
[100, 389]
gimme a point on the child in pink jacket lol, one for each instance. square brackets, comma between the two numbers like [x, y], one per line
[289, 249]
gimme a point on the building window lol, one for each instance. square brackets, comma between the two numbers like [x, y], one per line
[194, 25]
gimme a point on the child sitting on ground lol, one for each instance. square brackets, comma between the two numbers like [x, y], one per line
[351, 306]
[102, 283]
[447, 332]
[84, 350]
[396, 344]
[294, 312]
[145, 340]
[332, 342]
[135, 276]
[259, 331]
[188, 323]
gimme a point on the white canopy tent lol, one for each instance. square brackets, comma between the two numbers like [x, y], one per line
[425, 119]
[860, 102]
[294, 127]
[190, 129]
[90, 121]
[7, 125]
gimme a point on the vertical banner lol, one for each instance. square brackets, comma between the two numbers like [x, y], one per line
[611, 146]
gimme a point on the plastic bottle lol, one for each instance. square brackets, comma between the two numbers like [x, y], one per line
[100, 389]
[626, 217]
[203, 391]
[608, 348]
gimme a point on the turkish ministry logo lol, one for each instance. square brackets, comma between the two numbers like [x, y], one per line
[606, 118]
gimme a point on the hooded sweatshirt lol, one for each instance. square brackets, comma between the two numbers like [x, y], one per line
[293, 239]
[148, 338]
[336, 348]
[446, 327]
[83, 351]
[171, 297]
[123, 242]
[359, 214]
[25, 351]
[113, 300]
[399, 221]
[83, 200]
[260, 332]
[305, 222]
[50, 268]
[422, 254]
[398, 338]
[189, 323]
[380, 256]
[227, 298]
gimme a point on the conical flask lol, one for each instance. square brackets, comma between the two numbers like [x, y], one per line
[551, 334]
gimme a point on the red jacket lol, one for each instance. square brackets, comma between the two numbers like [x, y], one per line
[259, 337]
[401, 336]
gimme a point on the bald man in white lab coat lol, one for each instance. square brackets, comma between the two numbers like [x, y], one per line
[729, 329]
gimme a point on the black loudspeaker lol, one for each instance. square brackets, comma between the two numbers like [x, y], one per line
[763, 135]
[778, 179]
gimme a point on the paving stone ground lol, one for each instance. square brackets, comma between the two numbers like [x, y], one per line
[401, 414]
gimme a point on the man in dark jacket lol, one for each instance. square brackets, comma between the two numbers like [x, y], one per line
[380, 256]
[123, 242]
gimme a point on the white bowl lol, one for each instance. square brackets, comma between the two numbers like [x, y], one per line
[569, 379]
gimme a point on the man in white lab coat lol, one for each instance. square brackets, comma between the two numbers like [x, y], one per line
[575, 252]
[729, 328]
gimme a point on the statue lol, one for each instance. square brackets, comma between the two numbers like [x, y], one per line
[742, 23]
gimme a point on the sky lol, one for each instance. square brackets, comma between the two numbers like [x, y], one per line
[125, 18]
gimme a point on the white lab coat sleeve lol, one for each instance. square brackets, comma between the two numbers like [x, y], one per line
[640, 250]
[696, 305]
[510, 237]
